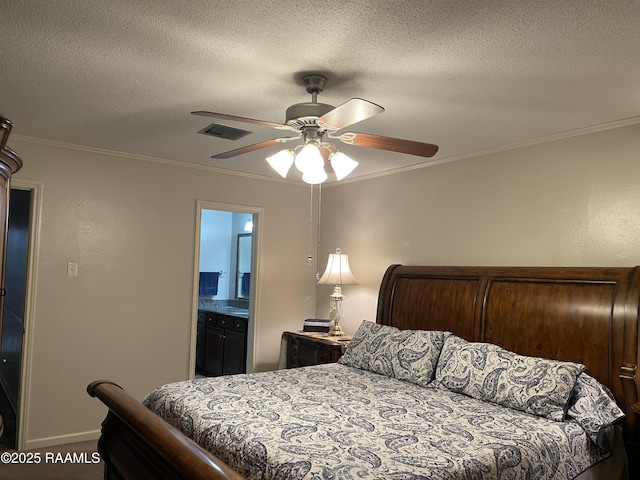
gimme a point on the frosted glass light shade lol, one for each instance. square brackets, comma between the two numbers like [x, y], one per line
[342, 165]
[315, 176]
[309, 158]
[281, 162]
[338, 271]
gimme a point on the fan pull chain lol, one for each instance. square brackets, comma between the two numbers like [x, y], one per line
[310, 257]
[318, 230]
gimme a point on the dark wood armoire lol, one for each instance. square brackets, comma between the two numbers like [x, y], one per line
[10, 163]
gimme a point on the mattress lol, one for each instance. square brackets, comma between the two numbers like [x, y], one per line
[336, 421]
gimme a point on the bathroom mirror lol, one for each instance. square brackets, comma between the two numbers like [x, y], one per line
[243, 271]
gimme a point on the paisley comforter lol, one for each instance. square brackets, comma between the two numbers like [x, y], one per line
[338, 422]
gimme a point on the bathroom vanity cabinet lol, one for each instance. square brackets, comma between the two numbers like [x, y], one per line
[221, 347]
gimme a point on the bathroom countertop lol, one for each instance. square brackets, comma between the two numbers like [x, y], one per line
[228, 310]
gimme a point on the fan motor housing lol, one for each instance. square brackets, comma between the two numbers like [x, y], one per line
[302, 114]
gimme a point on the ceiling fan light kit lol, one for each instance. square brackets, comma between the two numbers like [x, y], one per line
[313, 121]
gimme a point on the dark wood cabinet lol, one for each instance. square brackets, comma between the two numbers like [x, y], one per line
[221, 348]
[304, 348]
[10, 163]
[201, 341]
[214, 352]
[234, 357]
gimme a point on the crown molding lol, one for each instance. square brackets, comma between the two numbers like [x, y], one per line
[502, 148]
[147, 158]
[454, 158]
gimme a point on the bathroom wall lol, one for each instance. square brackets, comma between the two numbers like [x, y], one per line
[216, 248]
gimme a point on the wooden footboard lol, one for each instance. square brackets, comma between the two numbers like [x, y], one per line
[136, 443]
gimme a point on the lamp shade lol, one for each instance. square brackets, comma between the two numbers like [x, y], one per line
[309, 158]
[338, 271]
[314, 176]
[281, 162]
[342, 165]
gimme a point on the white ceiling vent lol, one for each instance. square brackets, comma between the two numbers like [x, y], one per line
[224, 131]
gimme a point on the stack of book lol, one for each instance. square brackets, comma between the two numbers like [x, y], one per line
[317, 325]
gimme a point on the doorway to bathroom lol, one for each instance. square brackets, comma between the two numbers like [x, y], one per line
[225, 285]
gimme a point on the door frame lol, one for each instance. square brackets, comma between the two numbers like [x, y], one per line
[35, 221]
[256, 243]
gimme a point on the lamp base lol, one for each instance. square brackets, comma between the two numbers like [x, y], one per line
[336, 329]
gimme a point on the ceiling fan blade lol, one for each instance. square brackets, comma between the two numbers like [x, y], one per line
[350, 112]
[233, 118]
[253, 147]
[388, 143]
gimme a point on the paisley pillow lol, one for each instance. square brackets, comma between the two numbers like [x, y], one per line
[487, 372]
[409, 355]
[592, 405]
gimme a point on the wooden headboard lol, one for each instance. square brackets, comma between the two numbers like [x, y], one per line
[582, 314]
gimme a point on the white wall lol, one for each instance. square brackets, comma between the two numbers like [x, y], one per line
[571, 202]
[130, 225]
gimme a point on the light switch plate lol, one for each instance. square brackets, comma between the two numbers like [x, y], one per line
[72, 269]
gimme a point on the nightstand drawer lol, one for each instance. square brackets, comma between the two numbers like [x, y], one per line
[304, 349]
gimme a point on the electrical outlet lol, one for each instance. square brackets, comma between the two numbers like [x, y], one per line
[72, 269]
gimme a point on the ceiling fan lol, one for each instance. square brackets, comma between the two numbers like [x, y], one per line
[316, 123]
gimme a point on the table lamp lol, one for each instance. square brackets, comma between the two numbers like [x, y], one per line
[337, 273]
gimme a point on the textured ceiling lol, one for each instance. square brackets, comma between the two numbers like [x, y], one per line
[469, 76]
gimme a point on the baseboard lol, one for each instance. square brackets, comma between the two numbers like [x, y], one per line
[62, 440]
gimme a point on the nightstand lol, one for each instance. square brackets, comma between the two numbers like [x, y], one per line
[302, 349]
[633, 446]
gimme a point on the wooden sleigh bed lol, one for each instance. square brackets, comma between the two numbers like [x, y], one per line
[572, 314]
